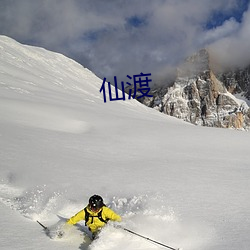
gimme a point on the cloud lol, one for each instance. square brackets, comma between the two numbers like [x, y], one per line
[233, 49]
[117, 37]
[228, 28]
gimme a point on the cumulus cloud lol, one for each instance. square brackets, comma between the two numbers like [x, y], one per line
[233, 49]
[117, 37]
[228, 28]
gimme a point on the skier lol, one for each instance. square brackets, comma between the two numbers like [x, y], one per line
[95, 214]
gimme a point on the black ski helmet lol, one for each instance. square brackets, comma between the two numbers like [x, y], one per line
[96, 202]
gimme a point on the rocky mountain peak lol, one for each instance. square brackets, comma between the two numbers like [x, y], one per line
[237, 81]
[201, 97]
[194, 65]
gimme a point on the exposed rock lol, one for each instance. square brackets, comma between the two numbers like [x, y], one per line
[237, 81]
[198, 96]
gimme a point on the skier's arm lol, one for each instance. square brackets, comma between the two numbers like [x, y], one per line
[77, 217]
[110, 214]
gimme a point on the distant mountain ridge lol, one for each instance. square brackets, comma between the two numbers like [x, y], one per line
[202, 96]
[237, 81]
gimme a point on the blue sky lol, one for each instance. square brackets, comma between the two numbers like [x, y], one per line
[218, 17]
[120, 38]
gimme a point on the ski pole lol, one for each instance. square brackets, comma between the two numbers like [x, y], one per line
[146, 238]
[45, 228]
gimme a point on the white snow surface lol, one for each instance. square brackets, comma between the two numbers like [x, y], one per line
[182, 185]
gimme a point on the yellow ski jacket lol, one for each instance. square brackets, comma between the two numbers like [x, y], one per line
[94, 223]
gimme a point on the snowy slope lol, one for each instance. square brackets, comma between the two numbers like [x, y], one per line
[179, 184]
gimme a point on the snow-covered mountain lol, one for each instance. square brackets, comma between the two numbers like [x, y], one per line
[182, 185]
[203, 96]
[237, 81]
